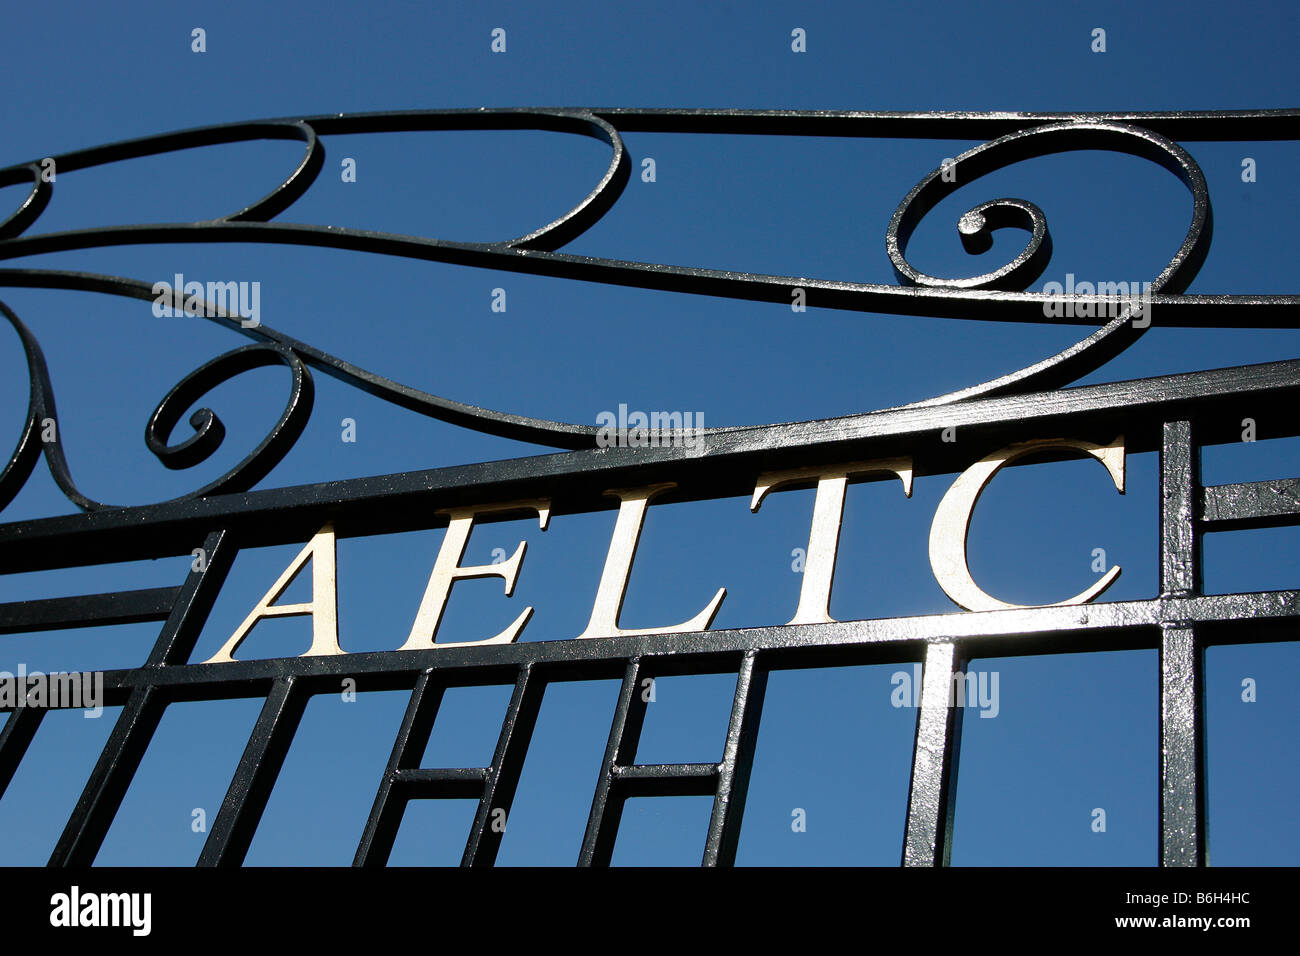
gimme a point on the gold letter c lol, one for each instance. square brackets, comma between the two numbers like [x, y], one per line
[952, 522]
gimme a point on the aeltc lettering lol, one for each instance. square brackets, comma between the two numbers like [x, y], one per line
[947, 554]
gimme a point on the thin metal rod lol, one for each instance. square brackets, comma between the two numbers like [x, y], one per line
[1251, 504]
[620, 750]
[197, 595]
[15, 738]
[99, 801]
[87, 610]
[441, 782]
[130, 737]
[503, 776]
[928, 839]
[412, 737]
[1182, 788]
[1180, 572]
[1183, 824]
[667, 780]
[268, 745]
[737, 762]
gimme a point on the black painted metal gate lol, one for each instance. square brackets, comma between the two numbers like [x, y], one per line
[1174, 415]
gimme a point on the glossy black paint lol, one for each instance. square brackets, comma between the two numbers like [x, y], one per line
[1175, 415]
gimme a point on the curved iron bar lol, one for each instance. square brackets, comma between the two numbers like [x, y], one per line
[989, 296]
[31, 207]
[530, 254]
[1120, 332]
[502, 424]
[19, 467]
[41, 433]
[549, 237]
[208, 429]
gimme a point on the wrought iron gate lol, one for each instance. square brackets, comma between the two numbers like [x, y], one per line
[1174, 415]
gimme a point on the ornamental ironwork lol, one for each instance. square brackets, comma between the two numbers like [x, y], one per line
[1021, 415]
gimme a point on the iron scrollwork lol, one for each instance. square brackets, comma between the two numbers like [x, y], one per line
[997, 294]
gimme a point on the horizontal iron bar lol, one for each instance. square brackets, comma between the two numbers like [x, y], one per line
[87, 610]
[667, 780]
[1193, 125]
[440, 782]
[408, 747]
[1174, 310]
[727, 466]
[1203, 125]
[1253, 504]
[1123, 625]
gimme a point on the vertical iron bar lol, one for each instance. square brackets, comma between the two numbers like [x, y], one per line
[108, 783]
[1182, 792]
[18, 732]
[232, 833]
[928, 839]
[620, 750]
[194, 603]
[737, 761]
[412, 737]
[111, 777]
[503, 776]
[1183, 835]
[1180, 566]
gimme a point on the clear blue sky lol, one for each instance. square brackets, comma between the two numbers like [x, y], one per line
[1072, 732]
